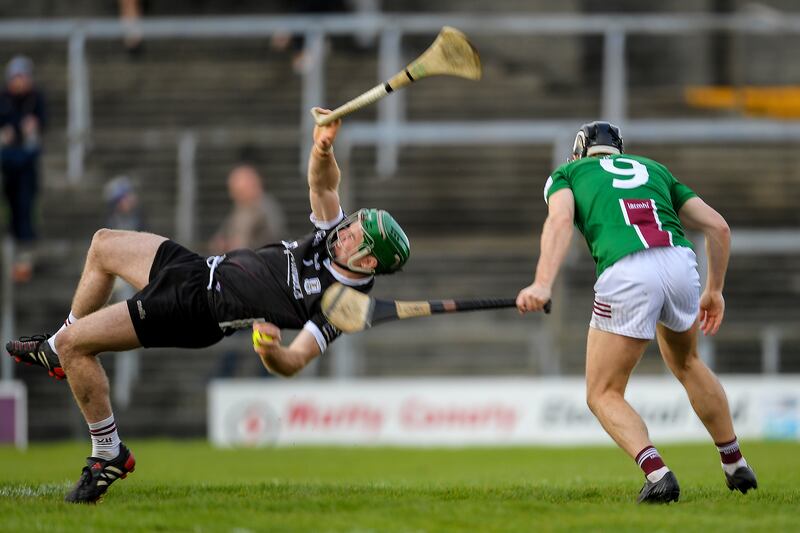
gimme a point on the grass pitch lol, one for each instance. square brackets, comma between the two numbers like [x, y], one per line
[189, 486]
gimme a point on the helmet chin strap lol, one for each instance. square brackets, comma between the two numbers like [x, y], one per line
[352, 267]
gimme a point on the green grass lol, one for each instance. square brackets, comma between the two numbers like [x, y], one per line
[190, 486]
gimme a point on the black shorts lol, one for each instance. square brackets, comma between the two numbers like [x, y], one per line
[172, 310]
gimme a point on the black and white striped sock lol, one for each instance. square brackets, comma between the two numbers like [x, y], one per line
[105, 440]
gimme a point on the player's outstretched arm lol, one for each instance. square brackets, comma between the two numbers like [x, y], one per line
[323, 172]
[283, 360]
[556, 239]
[697, 215]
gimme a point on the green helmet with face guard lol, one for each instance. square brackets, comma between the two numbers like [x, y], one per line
[383, 238]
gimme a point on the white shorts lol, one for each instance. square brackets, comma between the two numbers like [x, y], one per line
[655, 285]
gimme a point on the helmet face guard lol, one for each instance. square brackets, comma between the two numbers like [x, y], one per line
[596, 138]
[382, 237]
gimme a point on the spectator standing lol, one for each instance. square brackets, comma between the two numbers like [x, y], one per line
[22, 122]
[301, 58]
[130, 16]
[256, 218]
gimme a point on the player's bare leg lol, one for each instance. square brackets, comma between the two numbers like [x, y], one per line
[127, 254]
[610, 359]
[109, 329]
[706, 395]
[112, 253]
[708, 399]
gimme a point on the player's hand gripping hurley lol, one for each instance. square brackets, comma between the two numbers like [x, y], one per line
[351, 310]
[451, 54]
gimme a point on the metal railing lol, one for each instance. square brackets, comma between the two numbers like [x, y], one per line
[391, 28]
[391, 130]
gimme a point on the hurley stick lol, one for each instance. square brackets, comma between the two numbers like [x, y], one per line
[451, 54]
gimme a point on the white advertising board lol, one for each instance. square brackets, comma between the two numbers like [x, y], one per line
[461, 412]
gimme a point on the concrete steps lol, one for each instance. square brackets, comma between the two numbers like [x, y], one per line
[473, 213]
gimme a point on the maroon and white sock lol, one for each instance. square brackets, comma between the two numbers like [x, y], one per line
[731, 456]
[68, 322]
[651, 464]
[105, 440]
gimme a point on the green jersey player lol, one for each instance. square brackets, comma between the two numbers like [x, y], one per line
[624, 204]
[632, 212]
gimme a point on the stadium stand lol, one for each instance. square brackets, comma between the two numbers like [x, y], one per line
[472, 213]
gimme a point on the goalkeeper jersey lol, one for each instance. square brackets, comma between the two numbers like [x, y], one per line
[623, 204]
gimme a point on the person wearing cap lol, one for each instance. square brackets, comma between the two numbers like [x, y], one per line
[123, 205]
[22, 121]
[189, 301]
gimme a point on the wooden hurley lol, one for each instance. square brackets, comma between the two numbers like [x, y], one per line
[451, 54]
[351, 310]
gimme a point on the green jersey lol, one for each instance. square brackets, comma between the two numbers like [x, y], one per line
[623, 203]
